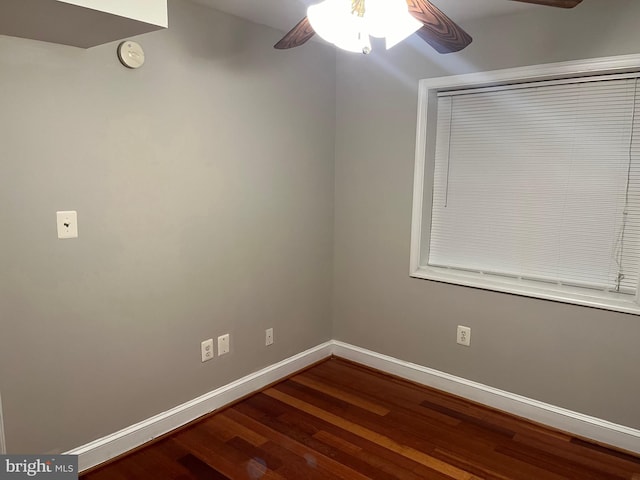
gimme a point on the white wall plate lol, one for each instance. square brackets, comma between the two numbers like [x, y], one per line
[67, 222]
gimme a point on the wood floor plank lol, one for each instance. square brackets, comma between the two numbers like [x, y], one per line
[372, 454]
[378, 389]
[308, 466]
[260, 455]
[216, 453]
[339, 420]
[410, 395]
[370, 460]
[199, 470]
[465, 417]
[410, 430]
[295, 443]
[358, 401]
[382, 440]
[609, 464]
[235, 429]
[337, 442]
[592, 447]
[556, 464]
[516, 467]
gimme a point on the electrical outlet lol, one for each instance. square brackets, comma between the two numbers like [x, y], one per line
[206, 350]
[464, 335]
[223, 344]
[268, 340]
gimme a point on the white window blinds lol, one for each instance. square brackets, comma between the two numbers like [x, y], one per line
[540, 182]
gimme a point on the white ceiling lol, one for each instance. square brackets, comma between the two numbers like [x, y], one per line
[284, 14]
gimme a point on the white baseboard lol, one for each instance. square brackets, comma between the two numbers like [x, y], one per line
[572, 422]
[3, 444]
[111, 446]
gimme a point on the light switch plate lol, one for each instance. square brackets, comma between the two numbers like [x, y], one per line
[223, 344]
[67, 224]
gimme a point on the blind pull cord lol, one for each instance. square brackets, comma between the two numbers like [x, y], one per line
[625, 211]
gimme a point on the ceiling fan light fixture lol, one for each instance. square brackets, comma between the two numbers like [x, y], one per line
[438, 30]
[339, 23]
[335, 22]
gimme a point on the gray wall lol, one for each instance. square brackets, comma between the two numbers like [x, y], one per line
[204, 189]
[576, 357]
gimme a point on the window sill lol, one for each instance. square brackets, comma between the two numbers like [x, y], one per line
[559, 293]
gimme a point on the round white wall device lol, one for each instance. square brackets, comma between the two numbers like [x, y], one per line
[131, 54]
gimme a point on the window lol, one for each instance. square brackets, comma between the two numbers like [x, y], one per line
[528, 182]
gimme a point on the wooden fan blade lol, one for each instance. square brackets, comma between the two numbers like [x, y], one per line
[553, 3]
[439, 31]
[298, 35]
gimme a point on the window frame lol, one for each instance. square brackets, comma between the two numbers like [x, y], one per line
[423, 182]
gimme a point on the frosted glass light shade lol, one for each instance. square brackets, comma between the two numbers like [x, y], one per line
[390, 18]
[334, 21]
[354, 37]
[325, 18]
[401, 28]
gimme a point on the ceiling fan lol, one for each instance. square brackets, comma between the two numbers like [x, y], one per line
[423, 18]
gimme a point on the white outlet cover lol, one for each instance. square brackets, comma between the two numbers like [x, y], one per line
[223, 344]
[67, 224]
[206, 349]
[268, 340]
[464, 336]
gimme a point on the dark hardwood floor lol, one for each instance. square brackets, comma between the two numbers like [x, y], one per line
[340, 420]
